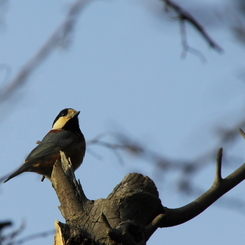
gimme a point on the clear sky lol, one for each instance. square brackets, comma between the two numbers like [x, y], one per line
[123, 70]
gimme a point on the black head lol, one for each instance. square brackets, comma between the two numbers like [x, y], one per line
[67, 119]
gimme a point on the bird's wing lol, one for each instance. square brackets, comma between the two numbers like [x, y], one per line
[51, 144]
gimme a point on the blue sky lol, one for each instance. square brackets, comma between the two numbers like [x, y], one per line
[123, 70]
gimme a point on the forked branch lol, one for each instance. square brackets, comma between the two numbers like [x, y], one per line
[219, 188]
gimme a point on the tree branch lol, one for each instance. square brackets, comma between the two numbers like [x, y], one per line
[218, 176]
[69, 192]
[219, 188]
[185, 16]
[57, 38]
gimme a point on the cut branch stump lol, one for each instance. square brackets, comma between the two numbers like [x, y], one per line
[124, 217]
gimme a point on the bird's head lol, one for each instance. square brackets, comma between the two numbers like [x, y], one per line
[67, 119]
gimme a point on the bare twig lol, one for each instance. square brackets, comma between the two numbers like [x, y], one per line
[134, 148]
[185, 45]
[34, 236]
[113, 147]
[185, 16]
[218, 177]
[11, 237]
[5, 224]
[58, 37]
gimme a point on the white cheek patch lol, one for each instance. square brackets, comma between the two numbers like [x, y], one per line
[60, 123]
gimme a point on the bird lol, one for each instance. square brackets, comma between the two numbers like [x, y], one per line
[65, 136]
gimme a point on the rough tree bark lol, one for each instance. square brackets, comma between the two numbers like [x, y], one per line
[131, 213]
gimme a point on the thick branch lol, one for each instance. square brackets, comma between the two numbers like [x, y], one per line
[71, 195]
[219, 188]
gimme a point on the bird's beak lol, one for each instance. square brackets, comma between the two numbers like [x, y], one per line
[75, 114]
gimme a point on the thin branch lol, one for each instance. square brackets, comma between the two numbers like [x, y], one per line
[108, 145]
[185, 45]
[218, 176]
[58, 37]
[132, 147]
[34, 236]
[9, 238]
[185, 16]
[5, 224]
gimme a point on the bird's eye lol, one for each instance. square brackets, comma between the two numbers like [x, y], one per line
[63, 113]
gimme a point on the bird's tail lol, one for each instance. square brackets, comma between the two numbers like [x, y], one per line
[22, 169]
